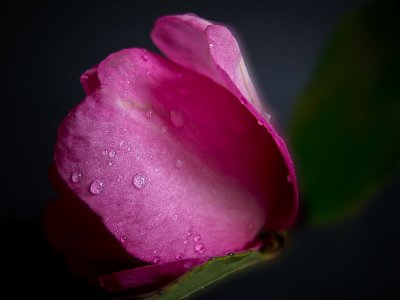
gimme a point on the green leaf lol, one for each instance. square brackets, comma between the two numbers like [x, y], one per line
[345, 133]
[218, 268]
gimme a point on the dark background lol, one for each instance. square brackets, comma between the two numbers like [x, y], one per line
[46, 45]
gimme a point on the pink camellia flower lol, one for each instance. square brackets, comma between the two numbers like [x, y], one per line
[167, 161]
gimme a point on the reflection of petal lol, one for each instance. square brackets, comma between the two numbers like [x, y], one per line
[154, 275]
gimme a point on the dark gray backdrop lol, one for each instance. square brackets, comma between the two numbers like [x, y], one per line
[46, 45]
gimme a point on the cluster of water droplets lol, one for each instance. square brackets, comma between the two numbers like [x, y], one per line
[198, 246]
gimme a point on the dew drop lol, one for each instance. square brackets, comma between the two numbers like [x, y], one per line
[175, 217]
[179, 256]
[139, 181]
[177, 118]
[259, 122]
[144, 57]
[96, 187]
[129, 148]
[185, 242]
[267, 116]
[189, 233]
[155, 250]
[105, 152]
[197, 238]
[199, 248]
[121, 143]
[119, 178]
[156, 260]
[149, 114]
[112, 153]
[179, 163]
[123, 239]
[211, 44]
[110, 163]
[76, 177]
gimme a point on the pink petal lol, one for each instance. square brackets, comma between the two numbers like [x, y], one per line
[160, 186]
[213, 51]
[90, 81]
[79, 235]
[154, 276]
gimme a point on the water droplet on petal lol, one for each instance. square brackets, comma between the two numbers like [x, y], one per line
[76, 177]
[144, 57]
[110, 163]
[139, 181]
[123, 239]
[156, 260]
[267, 116]
[149, 114]
[179, 256]
[260, 122]
[105, 152]
[185, 242]
[199, 248]
[129, 148]
[189, 233]
[289, 178]
[175, 217]
[177, 118]
[211, 44]
[155, 251]
[179, 163]
[112, 153]
[197, 237]
[96, 187]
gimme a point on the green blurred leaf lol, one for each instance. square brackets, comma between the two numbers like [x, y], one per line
[220, 267]
[345, 132]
